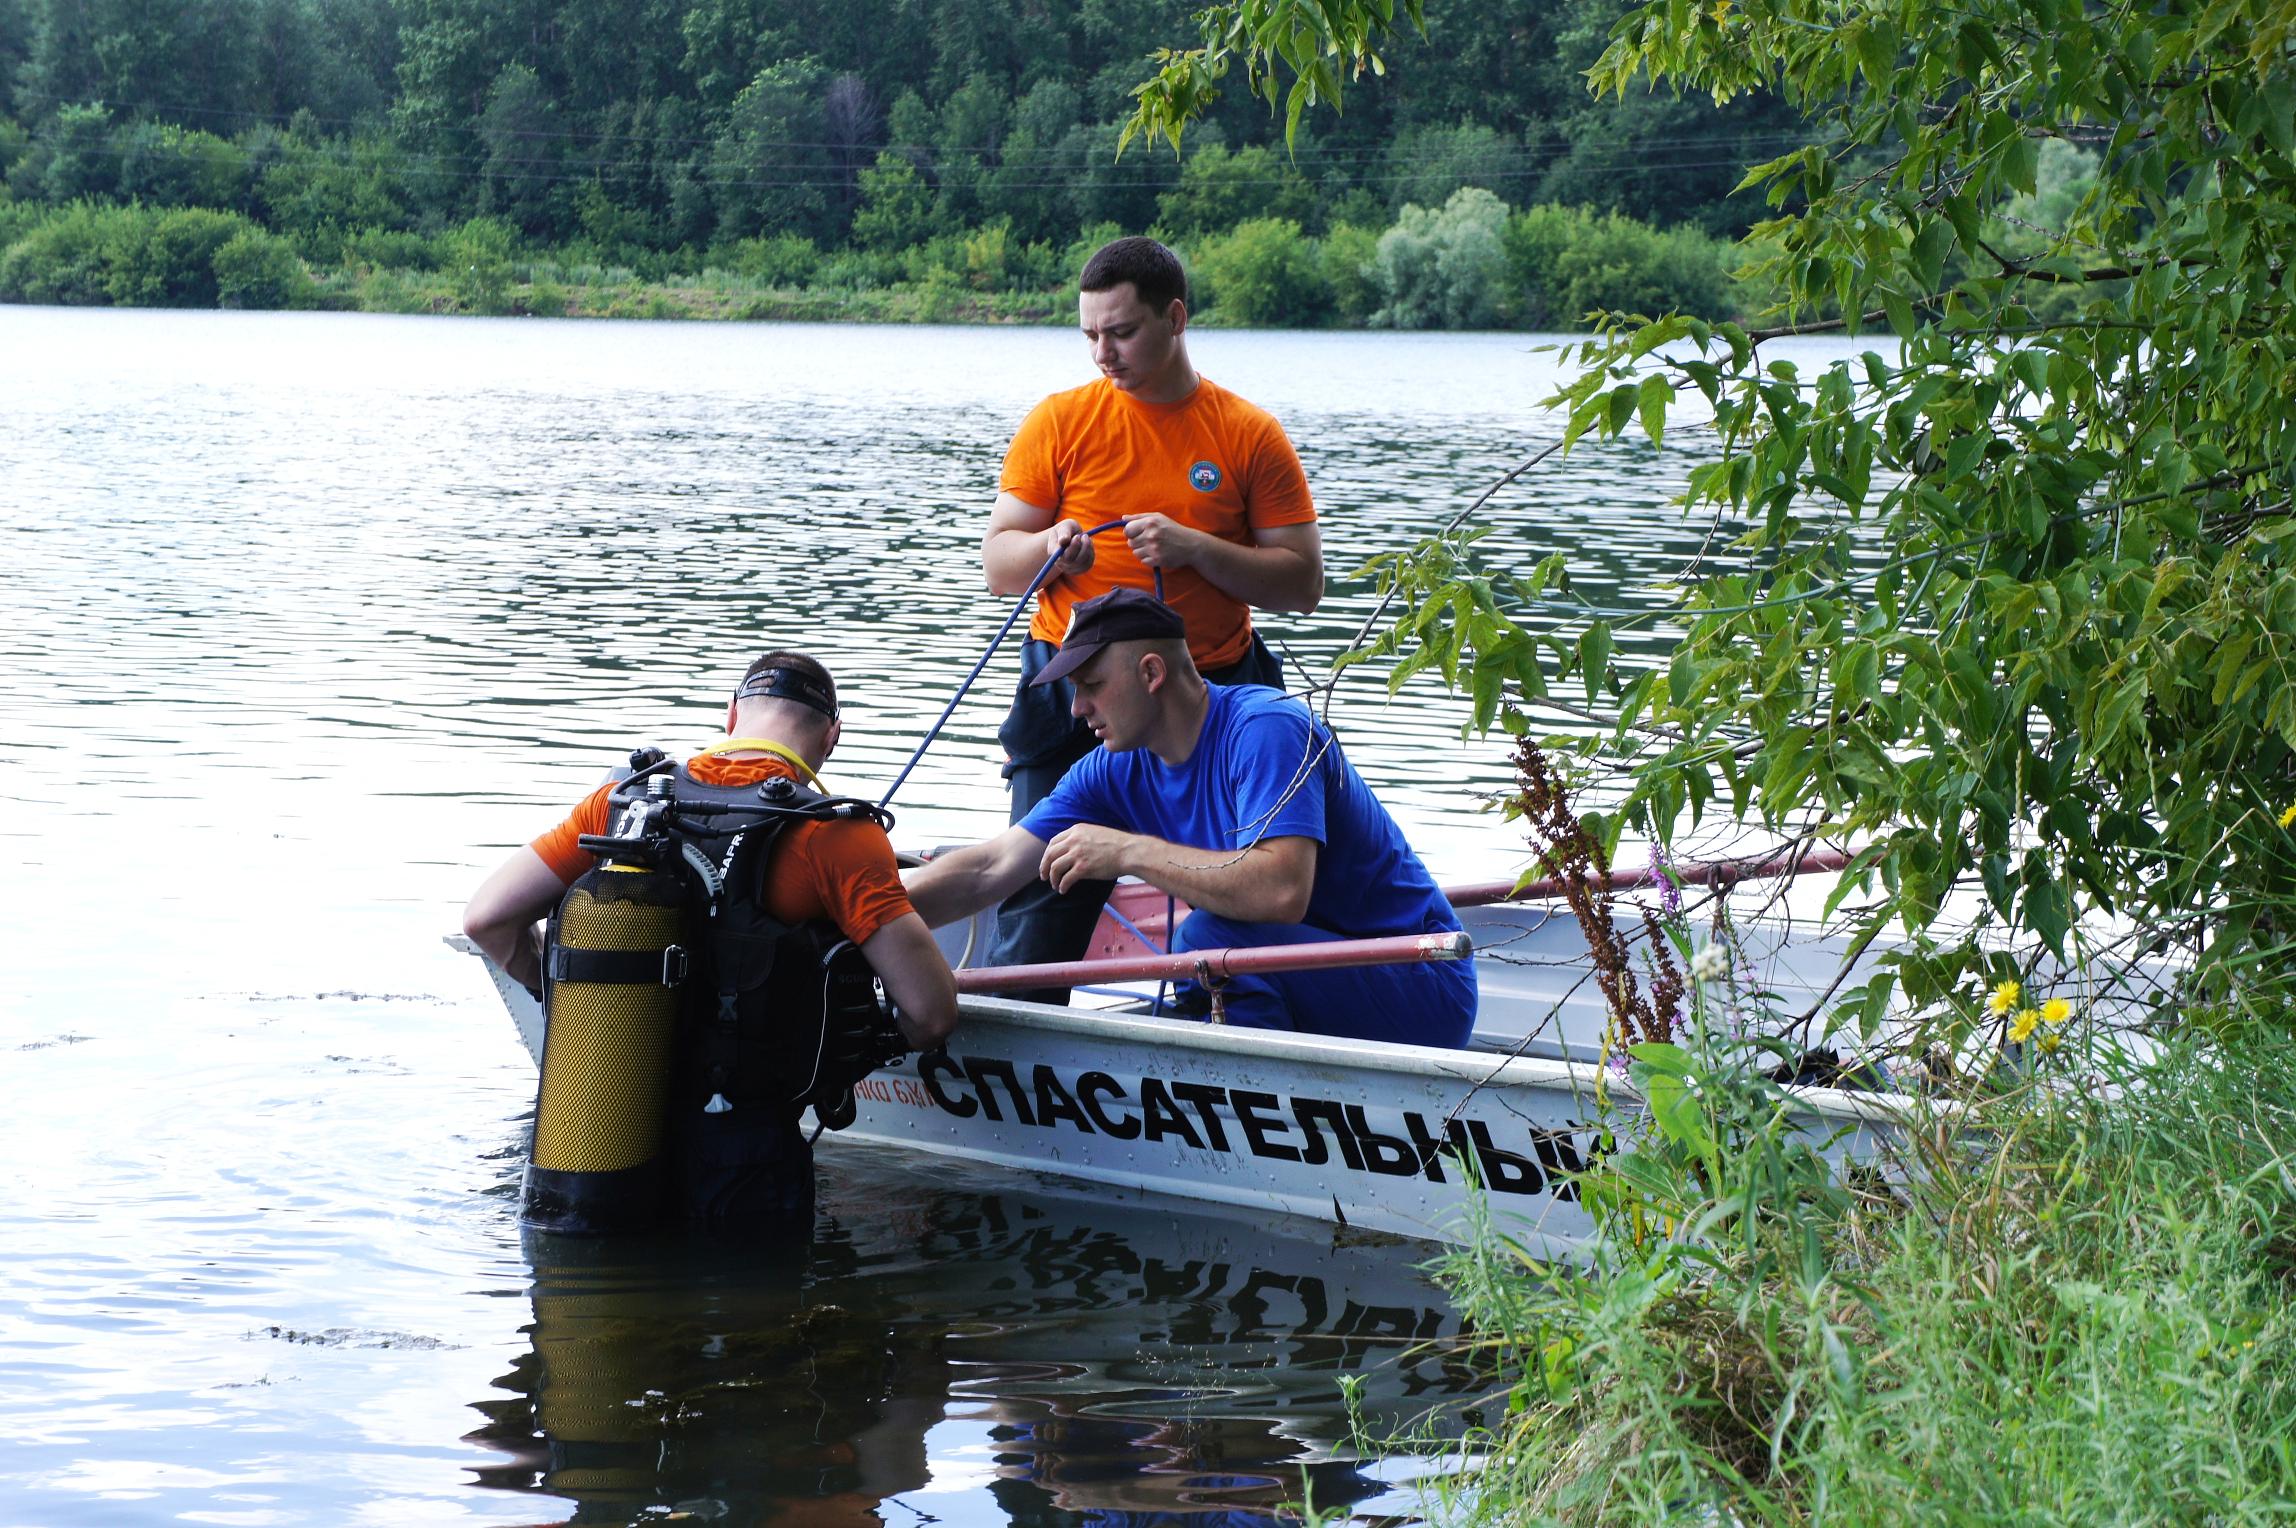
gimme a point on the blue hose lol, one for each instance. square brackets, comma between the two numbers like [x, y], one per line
[1034, 584]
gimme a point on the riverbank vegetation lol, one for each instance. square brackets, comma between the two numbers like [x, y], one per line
[1471, 264]
[2072, 1307]
[727, 158]
[2003, 604]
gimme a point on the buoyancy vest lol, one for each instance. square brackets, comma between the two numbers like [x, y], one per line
[672, 993]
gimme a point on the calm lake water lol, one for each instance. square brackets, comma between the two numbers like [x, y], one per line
[310, 619]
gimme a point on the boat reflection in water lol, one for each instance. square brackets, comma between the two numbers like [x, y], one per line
[948, 1349]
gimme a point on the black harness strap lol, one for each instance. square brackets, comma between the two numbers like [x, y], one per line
[620, 968]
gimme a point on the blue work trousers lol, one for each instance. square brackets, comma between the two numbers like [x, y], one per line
[1430, 1004]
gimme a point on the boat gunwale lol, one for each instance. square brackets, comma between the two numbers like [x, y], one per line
[1480, 1069]
[1483, 1069]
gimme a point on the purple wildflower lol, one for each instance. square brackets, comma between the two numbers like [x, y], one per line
[1618, 1065]
[1669, 890]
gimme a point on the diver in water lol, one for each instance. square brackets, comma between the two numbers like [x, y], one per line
[700, 974]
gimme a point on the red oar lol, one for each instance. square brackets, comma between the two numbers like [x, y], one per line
[1696, 873]
[1143, 908]
[1397, 950]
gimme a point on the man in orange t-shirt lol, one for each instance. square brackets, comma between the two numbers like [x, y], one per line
[1214, 505]
[782, 722]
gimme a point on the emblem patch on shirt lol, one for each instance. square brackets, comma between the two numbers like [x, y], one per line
[1204, 477]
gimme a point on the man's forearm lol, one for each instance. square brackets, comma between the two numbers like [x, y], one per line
[519, 953]
[1267, 882]
[1021, 536]
[1263, 577]
[1010, 559]
[916, 978]
[1232, 885]
[501, 915]
[963, 881]
[937, 889]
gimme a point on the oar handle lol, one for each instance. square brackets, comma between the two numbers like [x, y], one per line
[1395, 950]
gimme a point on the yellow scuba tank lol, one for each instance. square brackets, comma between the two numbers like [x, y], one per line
[615, 957]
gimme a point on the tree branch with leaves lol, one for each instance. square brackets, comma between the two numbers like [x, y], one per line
[2004, 595]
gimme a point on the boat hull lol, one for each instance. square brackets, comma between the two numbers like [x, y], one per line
[1288, 1124]
[1409, 1140]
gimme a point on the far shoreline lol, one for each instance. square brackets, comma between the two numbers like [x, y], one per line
[703, 302]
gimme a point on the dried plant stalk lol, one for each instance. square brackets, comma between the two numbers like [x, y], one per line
[1571, 857]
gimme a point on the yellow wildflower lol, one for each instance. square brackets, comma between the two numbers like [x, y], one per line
[2050, 1039]
[2288, 818]
[2056, 1011]
[2003, 999]
[2021, 1027]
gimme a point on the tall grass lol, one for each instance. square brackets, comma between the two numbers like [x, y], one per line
[2075, 1308]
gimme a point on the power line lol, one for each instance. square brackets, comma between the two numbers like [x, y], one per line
[1331, 157]
[812, 175]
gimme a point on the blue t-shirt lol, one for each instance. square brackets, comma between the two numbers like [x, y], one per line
[1236, 788]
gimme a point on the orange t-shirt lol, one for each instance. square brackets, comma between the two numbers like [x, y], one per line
[842, 871]
[1211, 461]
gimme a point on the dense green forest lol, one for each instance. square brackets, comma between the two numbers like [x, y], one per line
[898, 159]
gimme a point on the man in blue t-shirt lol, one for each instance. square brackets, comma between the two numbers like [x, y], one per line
[1234, 800]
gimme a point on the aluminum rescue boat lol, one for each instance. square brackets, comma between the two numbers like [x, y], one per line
[1389, 1138]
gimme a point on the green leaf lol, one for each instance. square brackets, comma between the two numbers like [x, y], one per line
[2278, 95]
[1787, 772]
[1661, 1056]
[1932, 242]
[1900, 313]
[1963, 212]
[1624, 401]
[1654, 1180]
[2174, 468]
[1871, 1004]
[1651, 401]
[2229, 658]
[2021, 163]
[2031, 367]
[1856, 675]
[1999, 889]
[2119, 710]
[2047, 907]
[1594, 656]
[1683, 675]
[1876, 43]
[1674, 1109]
[1854, 874]
[1489, 686]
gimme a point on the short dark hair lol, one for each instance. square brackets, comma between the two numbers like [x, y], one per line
[791, 676]
[1154, 271]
